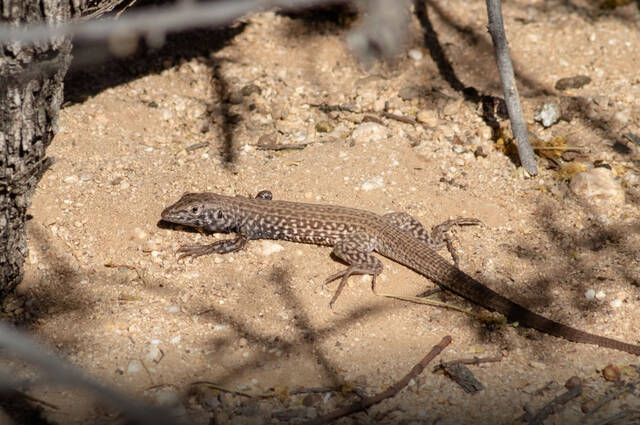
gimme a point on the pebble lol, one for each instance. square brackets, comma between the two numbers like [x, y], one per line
[134, 366]
[600, 295]
[154, 354]
[415, 54]
[548, 115]
[590, 294]
[71, 179]
[452, 108]
[141, 234]
[324, 127]
[617, 303]
[369, 132]
[428, 117]
[173, 309]
[572, 82]
[176, 339]
[250, 89]
[373, 183]
[598, 186]
[269, 247]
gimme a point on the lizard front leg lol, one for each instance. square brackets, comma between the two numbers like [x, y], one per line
[218, 247]
[357, 251]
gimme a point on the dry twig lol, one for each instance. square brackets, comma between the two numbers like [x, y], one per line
[390, 392]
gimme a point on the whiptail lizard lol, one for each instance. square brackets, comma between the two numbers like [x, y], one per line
[354, 235]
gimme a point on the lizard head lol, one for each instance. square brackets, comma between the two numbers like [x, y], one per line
[205, 210]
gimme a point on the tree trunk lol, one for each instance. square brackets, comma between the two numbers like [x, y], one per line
[30, 97]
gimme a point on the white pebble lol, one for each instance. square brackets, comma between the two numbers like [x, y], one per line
[616, 303]
[176, 339]
[134, 366]
[174, 309]
[269, 247]
[373, 183]
[71, 179]
[415, 54]
[590, 294]
[600, 295]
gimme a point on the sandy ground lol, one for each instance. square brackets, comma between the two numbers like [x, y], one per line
[136, 134]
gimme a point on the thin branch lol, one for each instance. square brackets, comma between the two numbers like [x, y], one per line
[390, 392]
[508, 81]
[60, 372]
[149, 21]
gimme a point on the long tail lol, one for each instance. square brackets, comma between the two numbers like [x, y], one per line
[447, 276]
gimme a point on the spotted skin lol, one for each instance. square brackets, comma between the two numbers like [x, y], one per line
[355, 234]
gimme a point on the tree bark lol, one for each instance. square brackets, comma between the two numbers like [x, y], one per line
[30, 98]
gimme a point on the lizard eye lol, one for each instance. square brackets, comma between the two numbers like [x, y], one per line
[219, 215]
[194, 210]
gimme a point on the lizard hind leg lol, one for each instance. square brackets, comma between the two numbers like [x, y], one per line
[357, 251]
[440, 235]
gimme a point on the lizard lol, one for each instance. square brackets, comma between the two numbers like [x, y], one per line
[354, 235]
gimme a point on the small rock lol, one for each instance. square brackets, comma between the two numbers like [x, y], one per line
[324, 127]
[267, 139]
[617, 303]
[154, 354]
[601, 295]
[373, 183]
[452, 108]
[572, 82]
[269, 247]
[278, 111]
[597, 186]
[249, 89]
[235, 98]
[173, 309]
[134, 366]
[428, 117]
[622, 117]
[611, 373]
[590, 294]
[480, 153]
[573, 382]
[415, 54]
[369, 132]
[548, 115]
[141, 234]
[71, 179]
[366, 97]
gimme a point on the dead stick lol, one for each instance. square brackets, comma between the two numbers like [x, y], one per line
[400, 118]
[390, 392]
[553, 406]
[473, 361]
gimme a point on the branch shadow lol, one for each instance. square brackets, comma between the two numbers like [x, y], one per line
[95, 69]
